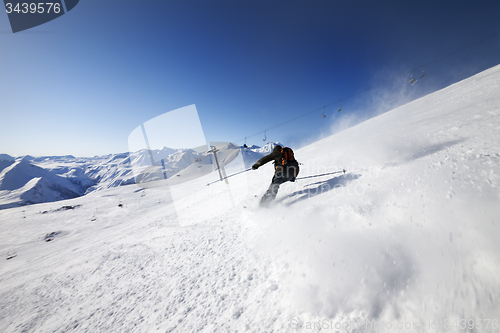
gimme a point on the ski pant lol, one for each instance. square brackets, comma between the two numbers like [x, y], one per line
[272, 191]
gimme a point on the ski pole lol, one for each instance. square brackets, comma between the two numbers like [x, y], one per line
[323, 174]
[234, 174]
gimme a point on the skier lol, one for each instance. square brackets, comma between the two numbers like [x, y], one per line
[286, 169]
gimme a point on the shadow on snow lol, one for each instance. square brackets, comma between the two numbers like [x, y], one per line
[314, 189]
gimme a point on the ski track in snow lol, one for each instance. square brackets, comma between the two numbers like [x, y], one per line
[408, 235]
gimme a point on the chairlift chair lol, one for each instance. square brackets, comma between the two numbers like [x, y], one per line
[412, 80]
[423, 73]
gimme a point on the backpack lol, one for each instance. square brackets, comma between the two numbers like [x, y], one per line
[288, 162]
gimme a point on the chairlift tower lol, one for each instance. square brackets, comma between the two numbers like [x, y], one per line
[214, 151]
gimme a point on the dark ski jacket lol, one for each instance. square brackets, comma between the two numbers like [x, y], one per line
[278, 169]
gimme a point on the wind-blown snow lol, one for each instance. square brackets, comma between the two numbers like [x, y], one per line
[408, 236]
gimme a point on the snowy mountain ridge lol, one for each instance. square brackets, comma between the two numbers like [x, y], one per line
[266, 149]
[6, 157]
[65, 177]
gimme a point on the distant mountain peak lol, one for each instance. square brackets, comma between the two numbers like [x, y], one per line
[6, 157]
[268, 147]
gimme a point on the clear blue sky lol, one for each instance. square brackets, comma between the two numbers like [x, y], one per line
[82, 83]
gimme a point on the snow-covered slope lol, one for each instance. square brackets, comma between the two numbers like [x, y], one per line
[5, 163]
[405, 241]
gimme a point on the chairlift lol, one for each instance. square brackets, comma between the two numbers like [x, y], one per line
[323, 114]
[412, 80]
[265, 136]
[423, 73]
[340, 107]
